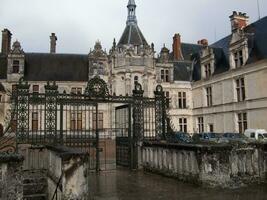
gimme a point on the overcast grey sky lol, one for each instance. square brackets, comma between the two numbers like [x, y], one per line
[79, 23]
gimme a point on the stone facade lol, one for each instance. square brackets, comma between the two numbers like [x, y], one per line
[201, 80]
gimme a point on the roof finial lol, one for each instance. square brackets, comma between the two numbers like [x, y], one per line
[131, 12]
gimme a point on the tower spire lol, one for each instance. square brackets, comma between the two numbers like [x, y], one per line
[131, 12]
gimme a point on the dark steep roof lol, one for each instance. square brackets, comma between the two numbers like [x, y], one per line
[181, 71]
[189, 49]
[3, 66]
[257, 40]
[56, 67]
[221, 61]
[132, 35]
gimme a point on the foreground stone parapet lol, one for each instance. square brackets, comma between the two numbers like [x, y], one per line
[11, 176]
[208, 165]
[66, 169]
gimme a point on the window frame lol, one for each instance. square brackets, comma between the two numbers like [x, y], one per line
[15, 67]
[35, 121]
[209, 96]
[183, 124]
[182, 104]
[165, 75]
[100, 120]
[207, 68]
[240, 89]
[238, 58]
[200, 123]
[242, 122]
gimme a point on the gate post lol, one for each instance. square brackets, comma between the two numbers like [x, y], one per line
[160, 112]
[138, 123]
[51, 94]
[22, 111]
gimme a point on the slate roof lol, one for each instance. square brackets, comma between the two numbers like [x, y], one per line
[181, 71]
[132, 35]
[257, 40]
[3, 66]
[56, 67]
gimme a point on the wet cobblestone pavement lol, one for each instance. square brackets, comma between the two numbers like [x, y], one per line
[126, 185]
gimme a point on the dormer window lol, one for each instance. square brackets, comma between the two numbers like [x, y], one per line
[164, 75]
[207, 70]
[15, 67]
[238, 58]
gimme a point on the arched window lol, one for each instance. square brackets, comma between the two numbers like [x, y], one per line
[135, 79]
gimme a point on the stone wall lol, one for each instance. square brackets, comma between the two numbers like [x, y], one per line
[63, 167]
[67, 169]
[11, 177]
[208, 165]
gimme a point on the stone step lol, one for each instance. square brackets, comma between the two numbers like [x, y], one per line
[35, 197]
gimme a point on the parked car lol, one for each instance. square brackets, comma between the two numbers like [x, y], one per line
[179, 137]
[256, 134]
[206, 137]
[233, 137]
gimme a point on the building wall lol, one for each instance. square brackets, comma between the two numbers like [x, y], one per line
[223, 113]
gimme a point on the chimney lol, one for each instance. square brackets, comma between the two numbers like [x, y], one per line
[176, 47]
[238, 20]
[53, 43]
[6, 41]
[203, 42]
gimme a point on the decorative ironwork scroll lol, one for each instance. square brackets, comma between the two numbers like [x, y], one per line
[22, 101]
[51, 94]
[97, 87]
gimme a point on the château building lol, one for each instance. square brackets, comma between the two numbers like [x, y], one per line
[219, 87]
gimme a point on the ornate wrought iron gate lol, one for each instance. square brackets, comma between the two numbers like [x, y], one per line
[54, 118]
[124, 139]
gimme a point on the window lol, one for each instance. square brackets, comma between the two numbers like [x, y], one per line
[208, 70]
[167, 95]
[35, 88]
[164, 75]
[183, 124]
[14, 89]
[209, 96]
[181, 100]
[76, 121]
[200, 122]
[211, 128]
[75, 90]
[15, 67]
[100, 121]
[135, 79]
[238, 58]
[242, 122]
[35, 121]
[240, 89]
